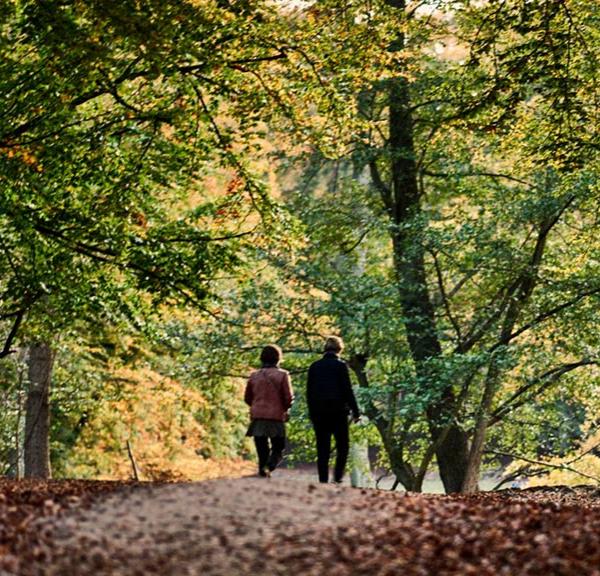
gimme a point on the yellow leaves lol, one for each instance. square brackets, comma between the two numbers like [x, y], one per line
[580, 467]
[157, 415]
[168, 132]
[571, 475]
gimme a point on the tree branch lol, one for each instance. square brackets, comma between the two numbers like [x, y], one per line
[18, 318]
[546, 380]
[282, 55]
[444, 298]
[381, 187]
[518, 293]
[494, 175]
[544, 316]
[545, 464]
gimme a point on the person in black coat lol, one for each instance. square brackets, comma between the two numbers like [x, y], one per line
[330, 401]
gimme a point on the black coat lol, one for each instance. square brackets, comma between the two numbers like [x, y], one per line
[328, 388]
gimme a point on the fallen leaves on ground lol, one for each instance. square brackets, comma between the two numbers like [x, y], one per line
[551, 531]
[23, 501]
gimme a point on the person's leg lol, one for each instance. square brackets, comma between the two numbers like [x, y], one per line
[262, 449]
[277, 448]
[342, 445]
[323, 437]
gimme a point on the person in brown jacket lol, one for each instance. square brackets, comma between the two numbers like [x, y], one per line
[269, 394]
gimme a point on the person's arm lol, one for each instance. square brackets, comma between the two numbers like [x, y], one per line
[249, 392]
[348, 392]
[310, 386]
[287, 392]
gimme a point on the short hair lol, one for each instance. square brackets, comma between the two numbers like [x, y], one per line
[333, 344]
[271, 354]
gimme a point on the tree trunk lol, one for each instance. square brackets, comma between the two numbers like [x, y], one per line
[404, 207]
[37, 412]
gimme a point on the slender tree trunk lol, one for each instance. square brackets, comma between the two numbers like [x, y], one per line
[523, 290]
[19, 427]
[134, 467]
[471, 481]
[37, 412]
[392, 445]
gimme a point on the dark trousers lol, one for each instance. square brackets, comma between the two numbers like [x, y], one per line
[327, 425]
[269, 456]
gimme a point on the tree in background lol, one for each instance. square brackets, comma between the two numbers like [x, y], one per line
[111, 115]
[453, 245]
[478, 265]
[464, 159]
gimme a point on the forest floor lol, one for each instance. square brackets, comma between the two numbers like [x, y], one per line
[287, 525]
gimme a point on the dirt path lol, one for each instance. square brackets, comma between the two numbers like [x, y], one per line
[287, 526]
[214, 527]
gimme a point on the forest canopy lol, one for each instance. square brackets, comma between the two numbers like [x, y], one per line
[184, 182]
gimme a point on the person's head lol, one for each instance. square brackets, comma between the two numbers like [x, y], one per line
[333, 344]
[271, 355]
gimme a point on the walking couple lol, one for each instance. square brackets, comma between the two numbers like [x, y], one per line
[330, 401]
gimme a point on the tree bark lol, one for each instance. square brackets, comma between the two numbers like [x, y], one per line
[37, 412]
[471, 480]
[404, 208]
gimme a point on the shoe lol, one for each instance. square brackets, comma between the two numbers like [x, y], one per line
[264, 472]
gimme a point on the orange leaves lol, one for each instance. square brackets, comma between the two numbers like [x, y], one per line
[230, 208]
[25, 155]
[234, 185]
[485, 535]
[23, 501]
[158, 416]
[139, 219]
[283, 527]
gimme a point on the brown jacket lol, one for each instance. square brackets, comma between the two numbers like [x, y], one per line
[269, 394]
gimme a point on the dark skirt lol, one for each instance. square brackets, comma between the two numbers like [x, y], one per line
[270, 428]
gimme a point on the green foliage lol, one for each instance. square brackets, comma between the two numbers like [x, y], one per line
[193, 359]
[112, 115]
[119, 119]
[506, 220]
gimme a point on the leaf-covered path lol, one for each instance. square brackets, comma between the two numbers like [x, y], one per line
[286, 526]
